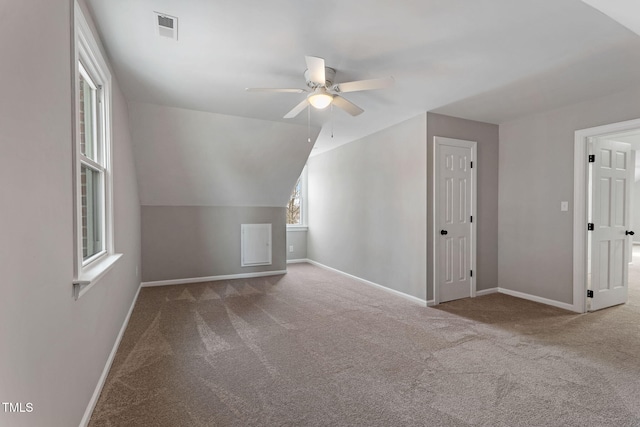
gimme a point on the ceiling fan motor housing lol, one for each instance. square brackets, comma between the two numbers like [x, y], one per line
[329, 74]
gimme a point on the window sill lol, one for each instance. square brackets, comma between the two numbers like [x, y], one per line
[91, 275]
[297, 228]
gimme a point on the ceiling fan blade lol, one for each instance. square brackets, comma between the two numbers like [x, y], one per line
[297, 109]
[347, 106]
[316, 69]
[364, 85]
[267, 89]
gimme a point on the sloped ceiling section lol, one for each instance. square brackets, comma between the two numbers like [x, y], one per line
[193, 158]
[603, 71]
[626, 12]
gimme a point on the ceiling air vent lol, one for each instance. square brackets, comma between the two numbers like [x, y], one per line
[167, 25]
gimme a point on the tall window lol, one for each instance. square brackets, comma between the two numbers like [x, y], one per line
[92, 159]
[294, 207]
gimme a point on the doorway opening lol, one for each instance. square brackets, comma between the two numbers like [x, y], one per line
[606, 179]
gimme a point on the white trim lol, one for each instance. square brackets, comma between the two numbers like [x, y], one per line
[212, 278]
[91, 275]
[487, 291]
[296, 227]
[96, 393]
[472, 145]
[534, 298]
[580, 206]
[431, 303]
[367, 282]
[297, 261]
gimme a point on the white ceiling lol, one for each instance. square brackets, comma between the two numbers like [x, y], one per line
[488, 60]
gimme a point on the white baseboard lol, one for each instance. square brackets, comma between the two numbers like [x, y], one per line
[431, 303]
[212, 278]
[297, 261]
[534, 298]
[393, 291]
[96, 393]
[487, 291]
[522, 295]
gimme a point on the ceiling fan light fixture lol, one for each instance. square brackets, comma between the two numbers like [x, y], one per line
[320, 80]
[320, 99]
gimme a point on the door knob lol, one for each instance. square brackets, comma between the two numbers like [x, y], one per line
[444, 232]
[629, 233]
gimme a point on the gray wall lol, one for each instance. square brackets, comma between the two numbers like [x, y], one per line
[367, 207]
[53, 349]
[182, 242]
[486, 135]
[536, 173]
[297, 239]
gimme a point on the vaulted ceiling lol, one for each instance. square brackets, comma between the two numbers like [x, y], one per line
[488, 60]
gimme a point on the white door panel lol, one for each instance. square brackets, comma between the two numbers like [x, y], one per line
[611, 178]
[453, 227]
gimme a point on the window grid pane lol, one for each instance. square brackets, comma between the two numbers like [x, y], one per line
[88, 114]
[92, 215]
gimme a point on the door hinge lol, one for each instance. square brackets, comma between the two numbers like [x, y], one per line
[590, 226]
[592, 158]
[471, 165]
[471, 219]
[471, 273]
[589, 293]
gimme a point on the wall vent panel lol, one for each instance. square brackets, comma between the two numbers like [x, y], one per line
[255, 244]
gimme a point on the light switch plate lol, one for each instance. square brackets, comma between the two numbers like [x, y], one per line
[564, 206]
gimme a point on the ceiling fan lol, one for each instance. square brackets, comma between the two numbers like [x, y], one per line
[322, 90]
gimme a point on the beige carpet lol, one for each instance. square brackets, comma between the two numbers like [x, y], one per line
[313, 348]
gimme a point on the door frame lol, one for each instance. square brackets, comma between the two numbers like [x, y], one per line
[439, 141]
[580, 200]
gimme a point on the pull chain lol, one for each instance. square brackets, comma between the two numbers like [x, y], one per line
[331, 119]
[309, 124]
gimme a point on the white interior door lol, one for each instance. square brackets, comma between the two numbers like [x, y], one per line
[611, 179]
[453, 234]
